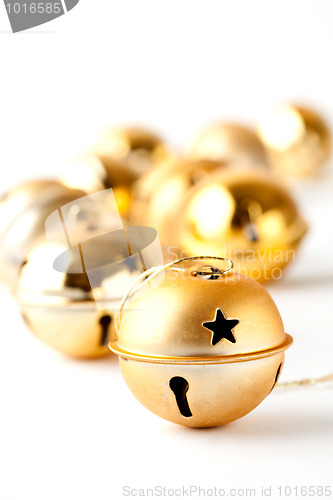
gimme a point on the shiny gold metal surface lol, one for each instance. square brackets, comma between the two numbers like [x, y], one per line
[23, 211]
[59, 308]
[297, 140]
[243, 215]
[230, 143]
[87, 172]
[137, 148]
[120, 157]
[158, 195]
[73, 310]
[90, 173]
[202, 345]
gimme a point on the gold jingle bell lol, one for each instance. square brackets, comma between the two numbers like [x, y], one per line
[203, 345]
[120, 157]
[89, 173]
[297, 140]
[158, 195]
[68, 295]
[138, 148]
[23, 211]
[245, 216]
[230, 143]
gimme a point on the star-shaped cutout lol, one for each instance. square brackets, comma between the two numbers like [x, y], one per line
[221, 327]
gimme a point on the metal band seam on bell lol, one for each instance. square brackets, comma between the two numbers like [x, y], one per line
[202, 360]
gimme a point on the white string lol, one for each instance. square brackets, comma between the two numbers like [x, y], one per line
[324, 382]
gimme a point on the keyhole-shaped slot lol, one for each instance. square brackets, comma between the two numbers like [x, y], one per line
[105, 322]
[179, 387]
[277, 376]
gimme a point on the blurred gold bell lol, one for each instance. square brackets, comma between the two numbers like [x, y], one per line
[23, 211]
[89, 173]
[120, 157]
[198, 344]
[230, 143]
[159, 194]
[59, 307]
[138, 148]
[68, 295]
[245, 216]
[297, 140]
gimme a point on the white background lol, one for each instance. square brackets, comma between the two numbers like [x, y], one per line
[71, 430]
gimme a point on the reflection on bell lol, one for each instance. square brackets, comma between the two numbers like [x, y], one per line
[91, 174]
[137, 148]
[245, 216]
[202, 348]
[23, 211]
[119, 159]
[68, 295]
[230, 143]
[158, 196]
[297, 140]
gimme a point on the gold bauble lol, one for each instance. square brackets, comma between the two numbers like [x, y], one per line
[158, 195]
[23, 211]
[297, 140]
[69, 295]
[201, 347]
[230, 143]
[245, 216]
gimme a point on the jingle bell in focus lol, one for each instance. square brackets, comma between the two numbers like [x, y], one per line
[120, 157]
[202, 346]
[23, 211]
[297, 140]
[230, 143]
[68, 295]
[158, 195]
[245, 216]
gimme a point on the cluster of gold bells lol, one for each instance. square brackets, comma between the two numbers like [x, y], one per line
[200, 341]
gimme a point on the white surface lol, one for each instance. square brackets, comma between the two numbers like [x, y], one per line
[71, 430]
